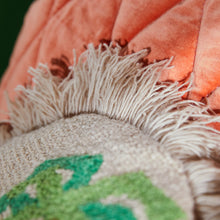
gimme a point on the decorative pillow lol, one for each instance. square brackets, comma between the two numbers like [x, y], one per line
[108, 141]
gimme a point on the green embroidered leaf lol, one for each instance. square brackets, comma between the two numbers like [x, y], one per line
[83, 166]
[98, 211]
[4, 202]
[48, 182]
[57, 200]
[20, 202]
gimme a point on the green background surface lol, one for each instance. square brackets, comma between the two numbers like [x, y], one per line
[11, 19]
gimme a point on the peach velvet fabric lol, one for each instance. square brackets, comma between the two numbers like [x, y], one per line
[189, 30]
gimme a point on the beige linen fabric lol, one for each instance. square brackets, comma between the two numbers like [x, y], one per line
[124, 149]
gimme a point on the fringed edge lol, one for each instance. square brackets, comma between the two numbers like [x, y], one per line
[121, 87]
[204, 178]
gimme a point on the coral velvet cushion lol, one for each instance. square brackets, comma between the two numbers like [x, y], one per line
[188, 30]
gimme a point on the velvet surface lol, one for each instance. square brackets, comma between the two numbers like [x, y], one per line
[188, 30]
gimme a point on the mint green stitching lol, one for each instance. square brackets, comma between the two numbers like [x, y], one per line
[48, 182]
[98, 211]
[17, 203]
[55, 201]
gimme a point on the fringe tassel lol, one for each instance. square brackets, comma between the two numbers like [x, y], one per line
[121, 87]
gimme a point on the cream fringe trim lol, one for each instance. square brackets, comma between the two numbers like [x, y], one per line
[120, 87]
